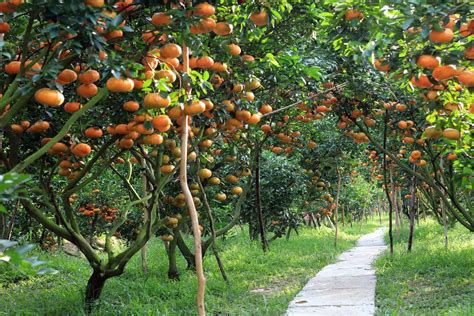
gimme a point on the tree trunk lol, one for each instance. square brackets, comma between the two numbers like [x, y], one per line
[417, 215]
[187, 254]
[412, 228]
[3, 226]
[445, 224]
[397, 211]
[144, 250]
[219, 264]
[215, 251]
[250, 228]
[337, 206]
[395, 204]
[173, 272]
[400, 202]
[424, 214]
[328, 219]
[258, 203]
[362, 219]
[12, 223]
[95, 284]
[411, 211]
[312, 220]
[379, 209]
[318, 221]
[343, 216]
[385, 181]
[443, 213]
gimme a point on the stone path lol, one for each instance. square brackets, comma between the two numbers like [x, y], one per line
[346, 287]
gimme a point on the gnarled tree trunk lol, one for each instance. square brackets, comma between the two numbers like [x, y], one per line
[95, 284]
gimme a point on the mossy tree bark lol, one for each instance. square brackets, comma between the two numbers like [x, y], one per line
[94, 288]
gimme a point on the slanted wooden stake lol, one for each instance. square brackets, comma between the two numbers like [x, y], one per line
[183, 179]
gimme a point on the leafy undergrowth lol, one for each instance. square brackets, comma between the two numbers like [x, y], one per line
[261, 284]
[430, 280]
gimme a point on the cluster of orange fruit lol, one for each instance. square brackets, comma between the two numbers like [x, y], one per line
[107, 213]
[326, 212]
[346, 121]
[374, 162]
[437, 76]
[145, 128]
[433, 64]
[10, 6]
[168, 57]
[308, 114]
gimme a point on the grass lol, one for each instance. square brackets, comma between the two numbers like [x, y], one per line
[261, 284]
[430, 280]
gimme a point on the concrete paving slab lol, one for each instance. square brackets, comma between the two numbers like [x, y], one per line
[335, 282]
[323, 297]
[346, 287]
[349, 271]
[361, 310]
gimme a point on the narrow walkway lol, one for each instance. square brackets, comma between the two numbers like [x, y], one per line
[346, 287]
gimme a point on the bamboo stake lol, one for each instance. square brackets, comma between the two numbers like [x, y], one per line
[183, 178]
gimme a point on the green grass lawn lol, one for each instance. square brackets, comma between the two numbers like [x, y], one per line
[430, 280]
[261, 284]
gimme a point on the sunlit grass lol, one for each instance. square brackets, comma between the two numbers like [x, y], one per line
[261, 284]
[430, 280]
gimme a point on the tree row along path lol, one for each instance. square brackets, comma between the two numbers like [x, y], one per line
[346, 287]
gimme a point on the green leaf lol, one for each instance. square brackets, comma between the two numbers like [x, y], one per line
[25, 248]
[314, 72]
[425, 31]
[272, 60]
[408, 23]
[5, 244]
[147, 83]
[276, 14]
[431, 118]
